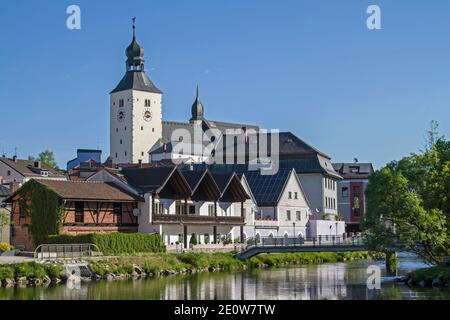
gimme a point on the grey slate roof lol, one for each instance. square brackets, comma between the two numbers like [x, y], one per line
[354, 170]
[136, 80]
[147, 179]
[290, 144]
[193, 178]
[222, 180]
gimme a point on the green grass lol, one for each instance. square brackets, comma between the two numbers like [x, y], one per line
[182, 262]
[157, 263]
[29, 270]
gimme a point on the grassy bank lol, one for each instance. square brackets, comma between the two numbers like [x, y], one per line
[438, 276]
[159, 264]
[176, 263]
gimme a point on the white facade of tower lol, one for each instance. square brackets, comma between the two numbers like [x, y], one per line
[135, 124]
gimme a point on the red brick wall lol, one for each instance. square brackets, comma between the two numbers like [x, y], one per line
[21, 237]
[100, 213]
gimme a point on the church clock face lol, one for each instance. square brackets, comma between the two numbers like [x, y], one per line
[121, 116]
[147, 114]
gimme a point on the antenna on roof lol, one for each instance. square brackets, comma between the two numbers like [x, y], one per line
[15, 151]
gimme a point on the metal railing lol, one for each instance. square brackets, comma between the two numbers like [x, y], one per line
[66, 251]
[309, 241]
[199, 219]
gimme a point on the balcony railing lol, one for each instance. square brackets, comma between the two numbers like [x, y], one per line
[196, 219]
[267, 223]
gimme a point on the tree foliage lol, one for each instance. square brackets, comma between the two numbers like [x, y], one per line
[47, 157]
[44, 209]
[408, 202]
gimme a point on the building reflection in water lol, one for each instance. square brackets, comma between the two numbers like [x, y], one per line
[329, 282]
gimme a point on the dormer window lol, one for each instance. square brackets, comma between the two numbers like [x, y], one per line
[44, 173]
[354, 169]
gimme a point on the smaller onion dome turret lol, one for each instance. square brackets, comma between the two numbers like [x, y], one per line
[197, 109]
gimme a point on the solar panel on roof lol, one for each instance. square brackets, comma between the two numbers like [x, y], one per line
[267, 188]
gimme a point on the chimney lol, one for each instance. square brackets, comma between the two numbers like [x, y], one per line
[14, 158]
[13, 187]
[37, 164]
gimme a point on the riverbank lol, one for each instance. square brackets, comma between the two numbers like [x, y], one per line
[436, 277]
[164, 264]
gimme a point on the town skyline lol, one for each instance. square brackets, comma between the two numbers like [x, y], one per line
[317, 84]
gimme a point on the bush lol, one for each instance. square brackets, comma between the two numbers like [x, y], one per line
[24, 270]
[5, 246]
[193, 240]
[115, 243]
[6, 272]
[53, 271]
[98, 268]
[39, 271]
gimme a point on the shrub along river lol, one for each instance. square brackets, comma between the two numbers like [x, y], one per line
[327, 281]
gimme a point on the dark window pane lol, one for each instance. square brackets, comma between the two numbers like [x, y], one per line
[79, 212]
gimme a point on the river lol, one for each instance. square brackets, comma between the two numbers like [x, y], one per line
[328, 281]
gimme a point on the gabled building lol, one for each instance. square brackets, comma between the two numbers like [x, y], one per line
[181, 205]
[351, 192]
[14, 170]
[282, 207]
[313, 167]
[87, 207]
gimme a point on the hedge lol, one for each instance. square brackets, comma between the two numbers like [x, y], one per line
[115, 243]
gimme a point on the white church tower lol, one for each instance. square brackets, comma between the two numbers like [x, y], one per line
[135, 111]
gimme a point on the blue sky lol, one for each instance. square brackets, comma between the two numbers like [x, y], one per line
[310, 67]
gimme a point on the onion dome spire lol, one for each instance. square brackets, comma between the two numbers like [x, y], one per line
[197, 109]
[135, 53]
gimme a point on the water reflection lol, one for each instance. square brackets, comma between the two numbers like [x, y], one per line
[329, 281]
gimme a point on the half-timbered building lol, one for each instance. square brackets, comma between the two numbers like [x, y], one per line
[86, 207]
